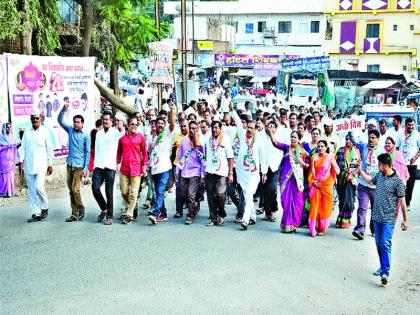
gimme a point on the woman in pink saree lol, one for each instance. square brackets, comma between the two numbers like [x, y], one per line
[8, 158]
[398, 163]
[321, 182]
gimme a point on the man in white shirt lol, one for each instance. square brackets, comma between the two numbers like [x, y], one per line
[274, 158]
[250, 162]
[219, 167]
[36, 155]
[383, 133]
[409, 146]
[160, 164]
[334, 141]
[106, 146]
[397, 131]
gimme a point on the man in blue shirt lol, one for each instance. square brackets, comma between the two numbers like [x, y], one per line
[77, 162]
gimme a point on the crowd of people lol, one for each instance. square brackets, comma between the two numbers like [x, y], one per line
[283, 159]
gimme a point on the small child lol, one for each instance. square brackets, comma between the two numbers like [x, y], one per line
[389, 195]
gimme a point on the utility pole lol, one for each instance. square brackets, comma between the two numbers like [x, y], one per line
[193, 34]
[184, 50]
[159, 85]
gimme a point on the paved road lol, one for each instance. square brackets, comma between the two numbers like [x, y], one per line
[88, 268]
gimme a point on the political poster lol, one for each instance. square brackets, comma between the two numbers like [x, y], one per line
[160, 63]
[354, 123]
[47, 83]
[4, 108]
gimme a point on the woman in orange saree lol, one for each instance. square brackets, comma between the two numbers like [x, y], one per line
[321, 182]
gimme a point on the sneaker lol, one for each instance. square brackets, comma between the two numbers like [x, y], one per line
[101, 216]
[244, 226]
[153, 219]
[377, 272]
[220, 221]
[177, 215]
[211, 223]
[126, 220]
[238, 219]
[81, 214]
[188, 221]
[163, 217]
[71, 219]
[384, 279]
[44, 214]
[358, 235]
[252, 222]
[34, 218]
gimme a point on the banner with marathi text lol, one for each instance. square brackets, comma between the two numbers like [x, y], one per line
[4, 111]
[160, 63]
[46, 83]
[354, 123]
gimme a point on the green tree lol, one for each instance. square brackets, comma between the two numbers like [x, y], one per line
[34, 22]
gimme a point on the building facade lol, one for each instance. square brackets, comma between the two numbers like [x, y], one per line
[374, 35]
[256, 27]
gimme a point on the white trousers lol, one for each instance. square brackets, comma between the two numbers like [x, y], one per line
[38, 199]
[249, 190]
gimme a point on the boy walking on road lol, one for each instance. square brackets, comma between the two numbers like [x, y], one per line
[388, 197]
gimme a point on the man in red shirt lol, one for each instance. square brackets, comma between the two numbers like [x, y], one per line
[132, 158]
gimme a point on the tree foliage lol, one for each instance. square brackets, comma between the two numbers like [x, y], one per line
[38, 16]
[125, 31]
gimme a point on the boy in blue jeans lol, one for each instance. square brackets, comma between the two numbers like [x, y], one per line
[388, 198]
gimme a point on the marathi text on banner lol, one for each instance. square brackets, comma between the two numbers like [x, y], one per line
[47, 83]
[247, 60]
[160, 63]
[354, 123]
[4, 112]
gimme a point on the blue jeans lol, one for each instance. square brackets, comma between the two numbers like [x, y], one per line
[160, 181]
[383, 237]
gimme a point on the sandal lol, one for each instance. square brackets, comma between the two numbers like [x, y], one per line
[102, 215]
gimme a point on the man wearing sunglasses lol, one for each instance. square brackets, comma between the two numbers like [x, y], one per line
[36, 156]
[132, 157]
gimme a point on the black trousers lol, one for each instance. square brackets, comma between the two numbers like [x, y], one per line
[412, 170]
[270, 191]
[216, 188]
[101, 175]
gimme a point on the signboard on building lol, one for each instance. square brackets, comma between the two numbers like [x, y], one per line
[160, 63]
[46, 83]
[245, 60]
[313, 64]
[266, 70]
[4, 109]
[205, 45]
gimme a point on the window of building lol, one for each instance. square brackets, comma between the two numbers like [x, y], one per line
[262, 25]
[373, 68]
[303, 27]
[411, 27]
[395, 27]
[285, 27]
[328, 30]
[68, 11]
[404, 68]
[236, 27]
[314, 26]
[372, 30]
[249, 28]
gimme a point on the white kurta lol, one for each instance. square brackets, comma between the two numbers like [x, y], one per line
[251, 160]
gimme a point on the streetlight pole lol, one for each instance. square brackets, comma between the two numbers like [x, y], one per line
[184, 50]
[159, 85]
